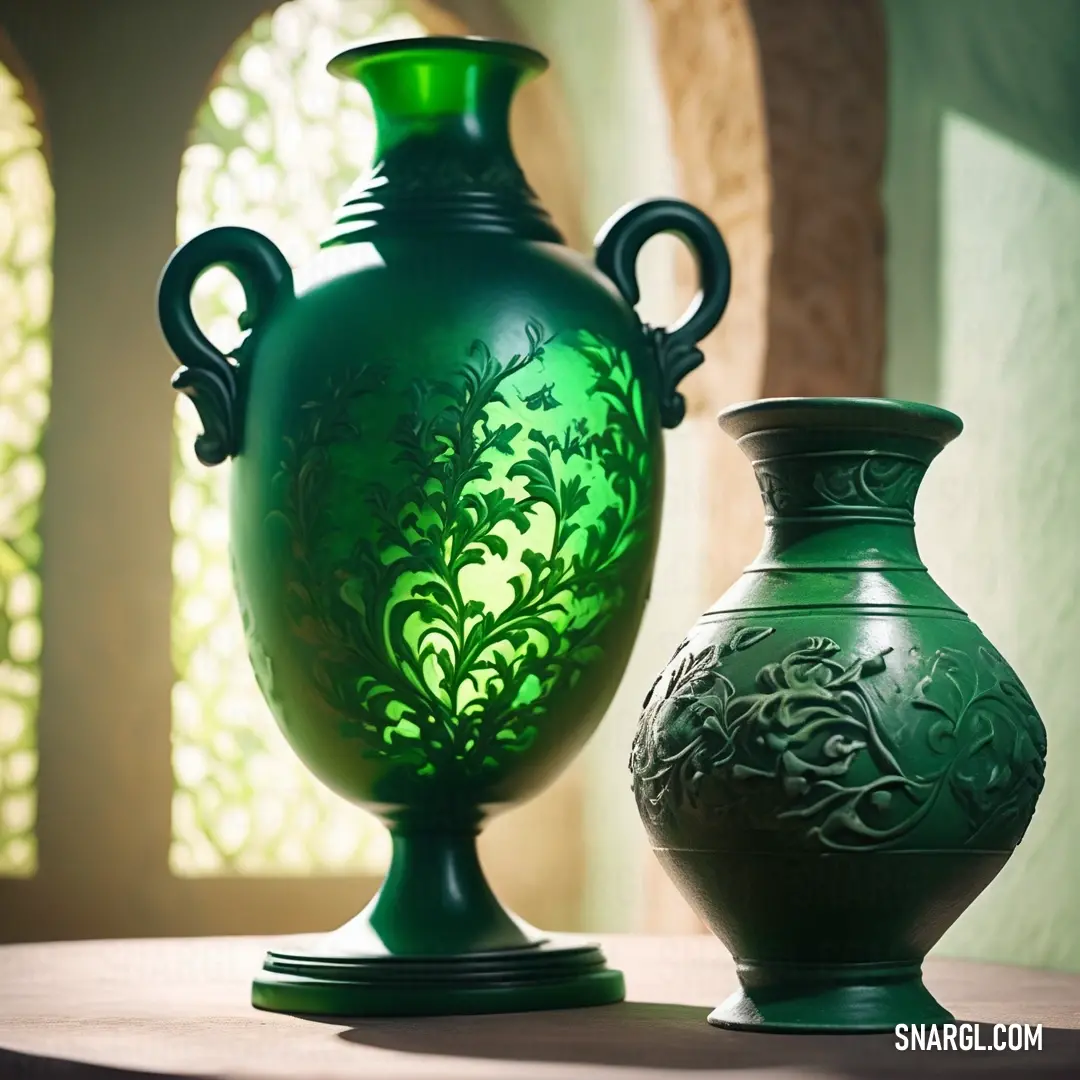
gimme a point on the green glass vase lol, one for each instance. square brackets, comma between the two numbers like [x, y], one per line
[836, 762]
[445, 503]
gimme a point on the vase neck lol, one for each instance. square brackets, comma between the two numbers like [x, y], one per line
[443, 157]
[845, 508]
[839, 477]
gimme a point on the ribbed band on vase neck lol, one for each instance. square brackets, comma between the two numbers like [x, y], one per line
[829, 464]
[443, 158]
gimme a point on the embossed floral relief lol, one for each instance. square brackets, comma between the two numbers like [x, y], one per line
[809, 751]
[856, 481]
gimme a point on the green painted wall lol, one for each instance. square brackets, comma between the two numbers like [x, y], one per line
[983, 204]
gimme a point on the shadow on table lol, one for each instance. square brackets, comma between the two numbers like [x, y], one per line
[17, 1066]
[676, 1037]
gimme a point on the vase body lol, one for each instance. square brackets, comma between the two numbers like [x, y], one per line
[836, 761]
[444, 504]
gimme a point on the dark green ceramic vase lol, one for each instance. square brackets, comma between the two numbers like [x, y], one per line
[836, 761]
[444, 511]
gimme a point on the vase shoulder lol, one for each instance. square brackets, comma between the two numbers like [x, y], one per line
[392, 294]
[427, 308]
[790, 590]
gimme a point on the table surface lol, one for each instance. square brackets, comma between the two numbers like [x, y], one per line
[179, 1008]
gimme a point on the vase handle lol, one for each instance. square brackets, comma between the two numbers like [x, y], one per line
[618, 245]
[216, 382]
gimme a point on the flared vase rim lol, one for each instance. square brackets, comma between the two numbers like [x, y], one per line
[344, 63]
[872, 414]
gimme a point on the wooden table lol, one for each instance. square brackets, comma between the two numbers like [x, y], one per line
[180, 1008]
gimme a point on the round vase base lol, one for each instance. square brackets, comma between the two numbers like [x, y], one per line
[550, 974]
[826, 998]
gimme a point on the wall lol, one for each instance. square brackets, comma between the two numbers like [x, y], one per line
[983, 203]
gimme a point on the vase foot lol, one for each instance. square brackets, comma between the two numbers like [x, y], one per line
[829, 998]
[553, 973]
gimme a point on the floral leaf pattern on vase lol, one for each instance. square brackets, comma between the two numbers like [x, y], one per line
[991, 730]
[810, 737]
[407, 650]
[881, 481]
[840, 480]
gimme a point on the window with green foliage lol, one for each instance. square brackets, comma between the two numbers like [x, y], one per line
[274, 146]
[26, 233]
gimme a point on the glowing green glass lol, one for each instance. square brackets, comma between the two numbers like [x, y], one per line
[456, 576]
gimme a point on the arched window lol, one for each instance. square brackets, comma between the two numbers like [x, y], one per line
[274, 146]
[26, 233]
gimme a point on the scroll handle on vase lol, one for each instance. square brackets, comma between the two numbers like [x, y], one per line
[216, 382]
[675, 348]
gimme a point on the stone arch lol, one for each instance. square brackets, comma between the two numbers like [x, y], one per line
[779, 127]
[778, 124]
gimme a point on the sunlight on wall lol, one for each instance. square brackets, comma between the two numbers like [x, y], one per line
[26, 233]
[273, 148]
[1010, 276]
